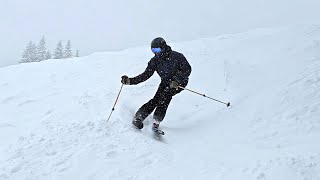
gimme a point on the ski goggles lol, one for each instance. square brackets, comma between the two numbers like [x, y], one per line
[156, 50]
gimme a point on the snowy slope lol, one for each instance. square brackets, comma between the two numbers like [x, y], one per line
[53, 114]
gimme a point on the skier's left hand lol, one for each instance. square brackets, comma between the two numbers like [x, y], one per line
[174, 84]
[125, 80]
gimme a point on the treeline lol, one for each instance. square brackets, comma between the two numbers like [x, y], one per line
[39, 52]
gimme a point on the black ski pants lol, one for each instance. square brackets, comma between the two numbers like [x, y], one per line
[159, 103]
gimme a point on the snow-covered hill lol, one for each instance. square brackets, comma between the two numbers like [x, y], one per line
[53, 114]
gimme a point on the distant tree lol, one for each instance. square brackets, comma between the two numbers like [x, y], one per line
[77, 53]
[26, 54]
[29, 54]
[58, 52]
[68, 51]
[48, 55]
[41, 50]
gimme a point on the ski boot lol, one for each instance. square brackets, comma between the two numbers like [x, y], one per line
[137, 123]
[155, 128]
[155, 125]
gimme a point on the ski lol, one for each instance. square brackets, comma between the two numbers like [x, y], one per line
[158, 131]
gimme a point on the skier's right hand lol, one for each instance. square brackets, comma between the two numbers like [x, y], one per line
[174, 84]
[125, 80]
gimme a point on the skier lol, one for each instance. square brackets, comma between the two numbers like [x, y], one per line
[174, 70]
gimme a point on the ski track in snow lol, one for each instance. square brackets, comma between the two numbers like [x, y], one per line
[54, 114]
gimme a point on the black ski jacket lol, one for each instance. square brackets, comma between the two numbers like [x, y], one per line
[170, 65]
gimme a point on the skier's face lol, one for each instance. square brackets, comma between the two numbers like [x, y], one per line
[156, 51]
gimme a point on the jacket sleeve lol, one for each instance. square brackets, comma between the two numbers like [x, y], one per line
[148, 72]
[182, 75]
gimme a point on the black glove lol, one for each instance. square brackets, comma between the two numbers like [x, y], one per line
[125, 80]
[174, 84]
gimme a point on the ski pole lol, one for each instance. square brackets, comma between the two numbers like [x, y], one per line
[228, 104]
[115, 103]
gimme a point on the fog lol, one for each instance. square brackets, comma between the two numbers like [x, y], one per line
[108, 25]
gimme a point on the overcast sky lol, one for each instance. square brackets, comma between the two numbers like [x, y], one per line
[105, 25]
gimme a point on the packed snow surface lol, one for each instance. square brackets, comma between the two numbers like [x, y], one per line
[53, 114]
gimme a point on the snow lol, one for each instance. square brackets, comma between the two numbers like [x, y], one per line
[54, 113]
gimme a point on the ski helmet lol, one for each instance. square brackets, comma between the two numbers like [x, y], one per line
[158, 42]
